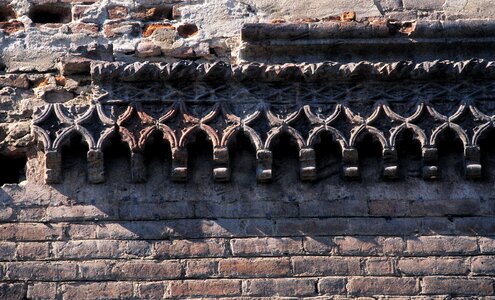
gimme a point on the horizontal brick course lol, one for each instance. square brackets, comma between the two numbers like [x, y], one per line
[205, 288]
[458, 286]
[369, 286]
[279, 287]
[325, 266]
[260, 267]
[433, 266]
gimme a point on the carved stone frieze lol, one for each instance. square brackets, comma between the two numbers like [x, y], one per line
[263, 110]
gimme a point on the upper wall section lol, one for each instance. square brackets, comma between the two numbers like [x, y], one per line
[36, 34]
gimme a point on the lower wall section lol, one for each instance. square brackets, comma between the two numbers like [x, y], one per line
[344, 266]
[79, 241]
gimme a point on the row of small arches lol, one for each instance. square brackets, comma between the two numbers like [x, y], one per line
[408, 148]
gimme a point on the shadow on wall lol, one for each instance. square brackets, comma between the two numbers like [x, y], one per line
[200, 207]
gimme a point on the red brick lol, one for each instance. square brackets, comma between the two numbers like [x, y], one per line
[266, 246]
[442, 245]
[366, 245]
[432, 266]
[117, 12]
[33, 250]
[30, 232]
[458, 286]
[332, 286]
[41, 271]
[262, 267]
[483, 265]
[42, 290]
[7, 250]
[380, 266]
[93, 291]
[152, 291]
[12, 291]
[95, 270]
[279, 287]
[196, 268]
[148, 270]
[190, 248]
[204, 288]
[76, 212]
[369, 286]
[88, 249]
[324, 265]
[319, 245]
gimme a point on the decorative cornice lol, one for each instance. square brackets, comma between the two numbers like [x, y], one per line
[130, 102]
[317, 72]
[376, 40]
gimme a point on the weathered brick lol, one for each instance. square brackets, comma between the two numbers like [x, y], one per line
[88, 249]
[312, 227]
[319, 245]
[380, 266]
[100, 290]
[33, 250]
[117, 12]
[42, 271]
[487, 245]
[441, 245]
[7, 250]
[483, 265]
[186, 229]
[266, 246]
[458, 286]
[190, 248]
[432, 266]
[148, 270]
[204, 288]
[324, 265]
[332, 285]
[138, 249]
[95, 270]
[369, 286]
[362, 245]
[13, 291]
[201, 268]
[243, 209]
[78, 212]
[158, 211]
[82, 231]
[30, 232]
[263, 267]
[333, 208]
[42, 290]
[279, 287]
[152, 291]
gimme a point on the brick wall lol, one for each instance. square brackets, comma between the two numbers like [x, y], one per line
[204, 239]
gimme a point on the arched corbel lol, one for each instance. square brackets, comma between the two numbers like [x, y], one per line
[307, 164]
[221, 171]
[264, 168]
[430, 163]
[96, 166]
[472, 162]
[390, 164]
[350, 160]
[179, 164]
[53, 166]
